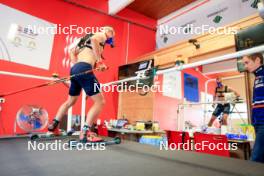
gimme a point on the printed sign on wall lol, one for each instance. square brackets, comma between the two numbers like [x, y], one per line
[200, 17]
[172, 85]
[191, 89]
[25, 39]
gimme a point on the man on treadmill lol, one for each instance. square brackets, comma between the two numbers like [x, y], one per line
[86, 55]
[223, 97]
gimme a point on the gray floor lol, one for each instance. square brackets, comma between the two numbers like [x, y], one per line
[126, 159]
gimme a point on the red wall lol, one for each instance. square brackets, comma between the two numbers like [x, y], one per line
[141, 41]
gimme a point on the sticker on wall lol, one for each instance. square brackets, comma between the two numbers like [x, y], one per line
[172, 85]
[25, 39]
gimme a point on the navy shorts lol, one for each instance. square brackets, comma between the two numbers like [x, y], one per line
[221, 108]
[87, 81]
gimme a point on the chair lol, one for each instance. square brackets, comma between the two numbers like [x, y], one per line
[211, 141]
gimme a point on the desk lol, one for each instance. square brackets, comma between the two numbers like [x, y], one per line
[126, 159]
[245, 144]
[132, 135]
[245, 147]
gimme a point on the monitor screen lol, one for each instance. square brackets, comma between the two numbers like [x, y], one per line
[129, 70]
[143, 65]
